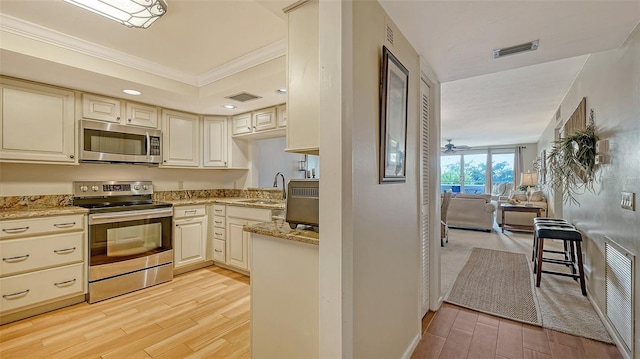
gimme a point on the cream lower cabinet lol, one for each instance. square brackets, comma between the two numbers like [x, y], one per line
[43, 265]
[189, 235]
[237, 243]
[232, 245]
[36, 123]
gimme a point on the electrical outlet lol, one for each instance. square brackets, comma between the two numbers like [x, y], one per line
[628, 201]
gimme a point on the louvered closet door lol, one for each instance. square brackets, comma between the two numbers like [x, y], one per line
[424, 90]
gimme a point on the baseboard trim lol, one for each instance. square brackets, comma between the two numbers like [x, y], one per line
[609, 328]
[412, 347]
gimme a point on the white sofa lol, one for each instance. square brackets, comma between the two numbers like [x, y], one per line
[471, 211]
[520, 218]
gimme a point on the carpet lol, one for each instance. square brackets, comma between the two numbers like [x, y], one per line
[562, 307]
[497, 283]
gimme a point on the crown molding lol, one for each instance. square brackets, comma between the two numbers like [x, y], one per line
[39, 33]
[42, 34]
[254, 58]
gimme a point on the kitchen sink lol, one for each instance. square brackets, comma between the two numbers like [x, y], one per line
[259, 201]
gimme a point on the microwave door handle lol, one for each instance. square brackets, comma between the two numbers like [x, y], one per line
[148, 143]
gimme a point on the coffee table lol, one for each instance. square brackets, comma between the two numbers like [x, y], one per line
[506, 207]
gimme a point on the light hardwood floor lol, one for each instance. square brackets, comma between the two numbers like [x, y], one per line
[456, 332]
[200, 314]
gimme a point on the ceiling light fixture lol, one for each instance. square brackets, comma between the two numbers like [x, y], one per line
[131, 13]
[229, 107]
[529, 46]
[281, 91]
[132, 92]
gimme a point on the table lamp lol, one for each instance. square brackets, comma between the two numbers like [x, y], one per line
[528, 179]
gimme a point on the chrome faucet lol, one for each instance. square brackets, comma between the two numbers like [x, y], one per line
[275, 184]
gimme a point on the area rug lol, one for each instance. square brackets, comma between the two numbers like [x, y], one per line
[497, 283]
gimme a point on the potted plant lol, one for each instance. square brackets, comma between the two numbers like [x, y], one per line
[572, 163]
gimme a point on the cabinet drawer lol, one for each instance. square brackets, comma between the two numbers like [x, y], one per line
[219, 209]
[219, 221]
[219, 233]
[27, 254]
[189, 211]
[219, 250]
[36, 226]
[35, 287]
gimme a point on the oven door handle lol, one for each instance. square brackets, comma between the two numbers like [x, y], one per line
[101, 218]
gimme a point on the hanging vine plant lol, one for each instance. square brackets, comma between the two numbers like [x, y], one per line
[572, 163]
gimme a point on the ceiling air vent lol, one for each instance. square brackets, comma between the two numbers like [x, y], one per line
[243, 97]
[529, 46]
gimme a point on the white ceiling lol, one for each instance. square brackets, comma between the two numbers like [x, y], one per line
[507, 100]
[202, 51]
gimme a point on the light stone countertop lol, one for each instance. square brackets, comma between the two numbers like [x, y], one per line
[31, 212]
[280, 229]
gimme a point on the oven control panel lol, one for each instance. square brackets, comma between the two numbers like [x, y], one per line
[111, 188]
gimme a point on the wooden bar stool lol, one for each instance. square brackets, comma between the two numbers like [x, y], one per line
[571, 237]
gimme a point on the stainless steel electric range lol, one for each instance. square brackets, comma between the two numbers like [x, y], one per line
[130, 237]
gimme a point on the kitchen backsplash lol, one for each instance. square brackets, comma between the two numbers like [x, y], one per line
[60, 200]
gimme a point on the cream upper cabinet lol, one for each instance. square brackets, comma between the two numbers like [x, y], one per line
[303, 91]
[263, 123]
[281, 113]
[110, 110]
[141, 115]
[100, 108]
[215, 141]
[36, 123]
[264, 119]
[242, 123]
[181, 139]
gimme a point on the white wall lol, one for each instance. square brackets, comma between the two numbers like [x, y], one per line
[371, 230]
[269, 158]
[610, 81]
[42, 179]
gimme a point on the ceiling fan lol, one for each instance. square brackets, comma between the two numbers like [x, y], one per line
[450, 147]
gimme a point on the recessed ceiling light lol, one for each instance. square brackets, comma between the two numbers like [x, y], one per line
[132, 92]
[281, 91]
[229, 107]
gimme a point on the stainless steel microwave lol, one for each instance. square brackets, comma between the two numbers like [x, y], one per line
[114, 143]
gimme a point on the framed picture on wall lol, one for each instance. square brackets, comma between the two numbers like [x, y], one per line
[394, 91]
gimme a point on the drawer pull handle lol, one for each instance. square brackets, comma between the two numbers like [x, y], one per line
[192, 211]
[65, 225]
[66, 250]
[218, 210]
[66, 282]
[15, 230]
[218, 222]
[218, 234]
[217, 250]
[15, 259]
[16, 294]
